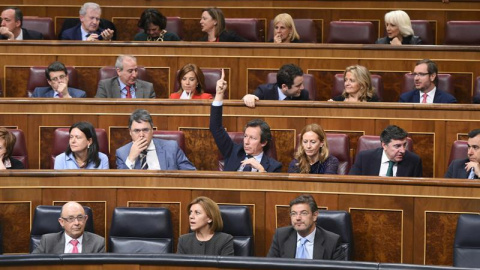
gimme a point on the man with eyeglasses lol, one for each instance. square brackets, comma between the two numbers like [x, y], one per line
[125, 84]
[148, 153]
[305, 239]
[426, 82]
[74, 238]
[57, 78]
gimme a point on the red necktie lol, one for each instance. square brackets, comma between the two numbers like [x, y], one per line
[74, 242]
[424, 100]
[129, 94]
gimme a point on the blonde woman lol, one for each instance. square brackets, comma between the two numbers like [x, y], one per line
[399, 30]
[358, 86]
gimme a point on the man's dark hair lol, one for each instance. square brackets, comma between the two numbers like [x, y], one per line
[139, 116]
[305, 198]
[474, 133]
[266, 134]
[152, 16]
[18, 14]
[55, 66]
[287, 73]
[431, 68]
[392, 132]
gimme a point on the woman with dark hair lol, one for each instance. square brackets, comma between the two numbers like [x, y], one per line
[213, 23]
[7, 142]
[192, 84]
[312, 155]
[206, 225]
[153, 24]
[82, 150]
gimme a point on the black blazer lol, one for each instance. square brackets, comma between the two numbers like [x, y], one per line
[232, 152]
[227, 36]
[439, 97]
[408, 40]
[269, 92]
[368, 163]
[29, 35]
[457, 169]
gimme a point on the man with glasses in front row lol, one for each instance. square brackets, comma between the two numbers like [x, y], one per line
[304, 239]
[73, 239]
[148, 153]
[57, 78]
[426, 82]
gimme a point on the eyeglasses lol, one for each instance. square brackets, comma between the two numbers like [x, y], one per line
[56, 79]
[303, 214]
[144, 130]
[80, 218]
[421, 74]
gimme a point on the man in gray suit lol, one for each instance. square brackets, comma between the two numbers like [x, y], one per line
[147, 153]
[57, 78]
[125, 84]
[467, 168]
[74, 239]
[304, 239]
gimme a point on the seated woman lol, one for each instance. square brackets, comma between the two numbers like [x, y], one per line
[206, 237]
[7, 142]
[213, 23]
[358, 86]
[399, 29]
[153, 24]
[312, 155]
[284, 29]
[82, 150]
[192, 84]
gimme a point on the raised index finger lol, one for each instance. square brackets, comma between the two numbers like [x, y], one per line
[223, 75]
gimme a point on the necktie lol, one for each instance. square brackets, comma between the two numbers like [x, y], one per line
[302, 249]
[129, 94]
[144, 160]
[248, 167]
[471, 175]
[424, 100]
[390, 168]
[74, 242]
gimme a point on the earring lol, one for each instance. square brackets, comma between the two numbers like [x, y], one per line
[88, 146]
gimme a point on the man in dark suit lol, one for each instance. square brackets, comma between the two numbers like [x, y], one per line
[89, 27]
[304, 239]
[289, 86]
[11, 26]
[57, 78]
[468, 168]
[147, 153]
[249, 156]
[126, 84]
[426, 81]
[391, 159]
[74, 239]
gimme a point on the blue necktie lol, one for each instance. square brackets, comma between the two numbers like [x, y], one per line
[302, 249]
[471, 175]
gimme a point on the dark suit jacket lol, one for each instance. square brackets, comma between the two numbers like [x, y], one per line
[29, 35]
[269, 92]
[327, 245]
[232, 152]
[110, 88]
[227, 36]
[368, 163]
[170, 156]
[48, 92]
[54, 243]
[412, 40]
[75, 33]
[440, 97]
[457, 169]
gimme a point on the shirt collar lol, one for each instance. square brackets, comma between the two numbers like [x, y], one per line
[310, 237]
[429, 94]
[385, 157]
[20, 36]
[68, 238]
[259, 157]
[281, 95]
[84, 33]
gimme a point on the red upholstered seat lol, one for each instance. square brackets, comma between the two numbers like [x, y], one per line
[367, 142]
[349, 32]
[308, 83]
[43, 25]
[110, 72]
[339, 86]
[172, 135]
[211, 78]
[175, 25]
[462, 33]
[37, 78]
[20, 147]
[248, 28]
[423, 29]
[237, 138]
[445, 83]
[305, 28]
[61, 138]
[459, 151]
[476, 91]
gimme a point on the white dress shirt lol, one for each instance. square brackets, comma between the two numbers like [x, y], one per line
[384, 165]
[69, 246]
[308, 244]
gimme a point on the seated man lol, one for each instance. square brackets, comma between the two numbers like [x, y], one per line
[147, 153]
[468, 168]
[126, 84]
[11, 27]
[289, 86]
[89, 27]
[57, 78]
[391, 159]
[257, 136]
[304, 239]
[426, 81]
[74, 239]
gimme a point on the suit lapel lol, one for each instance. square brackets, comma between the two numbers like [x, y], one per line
[50, 93]
[139, 91]
[291, 245]
[86, 245]
[60, 245]
[416, 96]
[161, 154]
[318, 249]
[265, 163]
[117, 92]
[377, 159]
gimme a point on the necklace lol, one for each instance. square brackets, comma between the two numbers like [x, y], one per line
[160, 37]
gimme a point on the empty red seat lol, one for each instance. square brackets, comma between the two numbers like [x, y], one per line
[43, 25]
[423, 29]
[20, 148]
[459, 151]
[462, 33]
[172, 135]
[350, 32]
[248, 28]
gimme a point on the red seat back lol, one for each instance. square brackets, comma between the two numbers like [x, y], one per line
[177, 136]
[20, 147]
[350, 32]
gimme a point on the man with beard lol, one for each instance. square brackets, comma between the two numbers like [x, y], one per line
[468, 168]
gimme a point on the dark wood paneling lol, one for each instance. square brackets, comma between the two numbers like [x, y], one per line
[15, 226]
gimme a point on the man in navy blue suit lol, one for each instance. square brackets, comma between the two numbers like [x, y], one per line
[11, 26]
[467, 168]
[426, 81]
[57, 78]
[289, 86]
[89, 27]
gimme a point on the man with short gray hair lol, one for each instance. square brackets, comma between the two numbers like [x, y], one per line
[89, 27]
